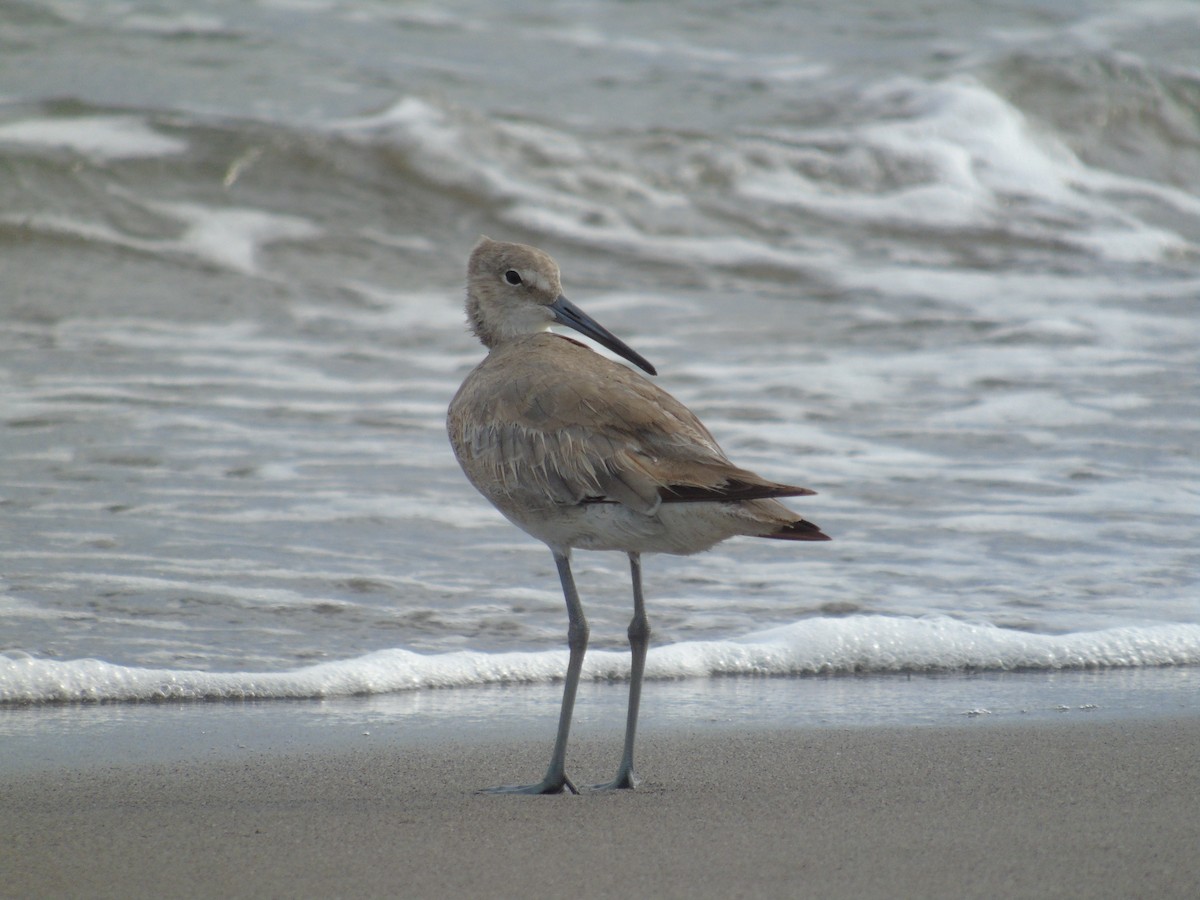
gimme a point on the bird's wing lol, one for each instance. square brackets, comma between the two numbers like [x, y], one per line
[570, 426]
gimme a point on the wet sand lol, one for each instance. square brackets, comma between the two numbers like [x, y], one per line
[1095, 809]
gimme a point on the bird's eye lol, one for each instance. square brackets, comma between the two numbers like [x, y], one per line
[512, 276]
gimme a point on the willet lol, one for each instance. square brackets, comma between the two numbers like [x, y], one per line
[583, 452]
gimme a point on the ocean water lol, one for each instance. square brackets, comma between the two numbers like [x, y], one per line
[942, 267]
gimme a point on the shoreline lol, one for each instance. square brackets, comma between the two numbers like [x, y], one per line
[42, 737]
[1087, 807]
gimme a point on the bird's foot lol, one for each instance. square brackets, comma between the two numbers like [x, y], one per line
[626, 780]
[548, 785]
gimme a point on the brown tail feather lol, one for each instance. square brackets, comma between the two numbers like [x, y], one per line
[732, 489]
[800, 530]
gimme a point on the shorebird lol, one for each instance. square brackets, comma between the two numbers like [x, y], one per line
[584, 453]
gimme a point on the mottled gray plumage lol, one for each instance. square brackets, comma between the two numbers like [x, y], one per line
[583, 452]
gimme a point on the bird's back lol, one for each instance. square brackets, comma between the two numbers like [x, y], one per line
[551, 432]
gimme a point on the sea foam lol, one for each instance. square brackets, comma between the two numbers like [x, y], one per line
[100, 138]
[854, 644]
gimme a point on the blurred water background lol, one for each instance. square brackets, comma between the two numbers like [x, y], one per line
[941, 265]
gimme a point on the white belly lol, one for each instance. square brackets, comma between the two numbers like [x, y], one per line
[677, 528]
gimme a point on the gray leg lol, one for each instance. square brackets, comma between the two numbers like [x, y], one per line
[555, 780]
[639, 643]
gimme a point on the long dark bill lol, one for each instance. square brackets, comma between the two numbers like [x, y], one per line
[567, 313]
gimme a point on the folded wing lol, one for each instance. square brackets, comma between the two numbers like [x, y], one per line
[616, 439]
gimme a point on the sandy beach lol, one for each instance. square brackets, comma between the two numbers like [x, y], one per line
[1046, 809]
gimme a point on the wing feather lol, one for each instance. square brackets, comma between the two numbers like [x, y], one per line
[524, 432]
